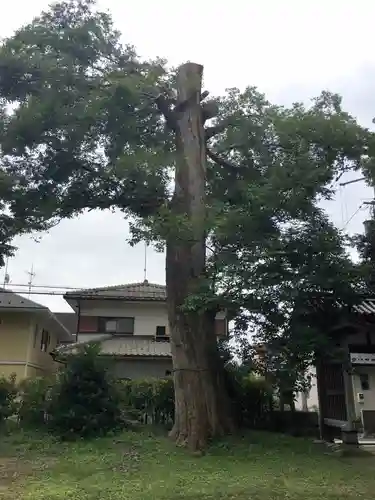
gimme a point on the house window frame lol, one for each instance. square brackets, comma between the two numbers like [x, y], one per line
[45, 340]
[36, 335]
[161, 335]
[106, 319]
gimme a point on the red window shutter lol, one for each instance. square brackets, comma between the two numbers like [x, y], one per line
[88, 324]
[221, 327]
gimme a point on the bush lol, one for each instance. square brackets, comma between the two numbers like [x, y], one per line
[251, 397]
[34, 401]
[84, 401]
[152, 398]
[295, 423]
[256, 397]
[8, 395]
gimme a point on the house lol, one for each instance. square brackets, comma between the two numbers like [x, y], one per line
[131, 323]
[28, 333]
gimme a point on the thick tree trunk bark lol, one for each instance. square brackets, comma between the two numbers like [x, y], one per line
[201, 403]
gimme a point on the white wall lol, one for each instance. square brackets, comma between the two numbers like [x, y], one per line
[147, 316]
[368, 402]
[312, 397]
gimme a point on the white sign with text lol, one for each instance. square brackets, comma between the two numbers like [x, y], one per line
[362, 359]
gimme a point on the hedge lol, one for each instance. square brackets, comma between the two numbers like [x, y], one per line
[151, 401]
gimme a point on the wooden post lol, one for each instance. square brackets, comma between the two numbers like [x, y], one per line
[321, 401]
[350, 434]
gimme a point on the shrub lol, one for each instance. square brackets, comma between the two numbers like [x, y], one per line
[295, 423]
[8, 395]
[255, 397]
[84, 401]
[251, 398]
[152, 398]
[34, 401]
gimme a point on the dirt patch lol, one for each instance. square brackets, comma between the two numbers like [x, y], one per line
[13, 469]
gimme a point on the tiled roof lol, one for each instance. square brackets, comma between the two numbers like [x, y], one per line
[10, 300]
[125, 346]
[366, 306]
[130, 291]
[135, 346]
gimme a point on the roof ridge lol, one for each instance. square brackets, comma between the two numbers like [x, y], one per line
[122, 285]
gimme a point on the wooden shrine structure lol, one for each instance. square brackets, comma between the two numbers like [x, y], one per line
[345, 369]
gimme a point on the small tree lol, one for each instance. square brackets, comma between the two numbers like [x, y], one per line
[84, 402]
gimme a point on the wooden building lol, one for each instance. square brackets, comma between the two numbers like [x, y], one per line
[345, 369]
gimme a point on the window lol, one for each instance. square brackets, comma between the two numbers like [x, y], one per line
[120, 326]
[88, 324]
[364, 379]
[161, 331]
[36, 332]
[44, 342]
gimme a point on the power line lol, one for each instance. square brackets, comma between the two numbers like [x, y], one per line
[24, 292]
[49, 286]
[352, 216]
[353, 181]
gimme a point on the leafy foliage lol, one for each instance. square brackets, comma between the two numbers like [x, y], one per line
[8, 394]
[84, 401]
[34, 401]
[82, 128]
[272, 245]
[78, 115]
[152, 398]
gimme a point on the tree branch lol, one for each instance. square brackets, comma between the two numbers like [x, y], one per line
[164, 106]
[222, 162]
[217, 129]
[181, 106]
[204, 95]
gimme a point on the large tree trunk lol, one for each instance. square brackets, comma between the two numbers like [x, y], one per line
[201, 403]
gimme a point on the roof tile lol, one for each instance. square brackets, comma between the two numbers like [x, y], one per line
[131, 291]
[124, 346]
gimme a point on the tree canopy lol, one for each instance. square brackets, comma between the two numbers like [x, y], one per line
[87, 124]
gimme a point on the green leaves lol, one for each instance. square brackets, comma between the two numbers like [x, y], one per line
[81, 129]
[80, 133]
[273, 245]
[84, 401]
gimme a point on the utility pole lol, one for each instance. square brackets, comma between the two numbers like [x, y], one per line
[369, 255]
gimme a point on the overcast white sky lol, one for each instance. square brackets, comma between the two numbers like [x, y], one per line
[291, 50]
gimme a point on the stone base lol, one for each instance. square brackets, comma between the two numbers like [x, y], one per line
[350, 437]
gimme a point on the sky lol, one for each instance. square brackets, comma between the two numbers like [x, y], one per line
[290, 50]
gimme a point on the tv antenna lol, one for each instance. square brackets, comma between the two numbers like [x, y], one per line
[145, 263]
[6, 275]
[32, 275]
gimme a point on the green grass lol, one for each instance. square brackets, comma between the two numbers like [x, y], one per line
[258, 466]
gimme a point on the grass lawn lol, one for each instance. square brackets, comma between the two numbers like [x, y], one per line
[140, 465]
